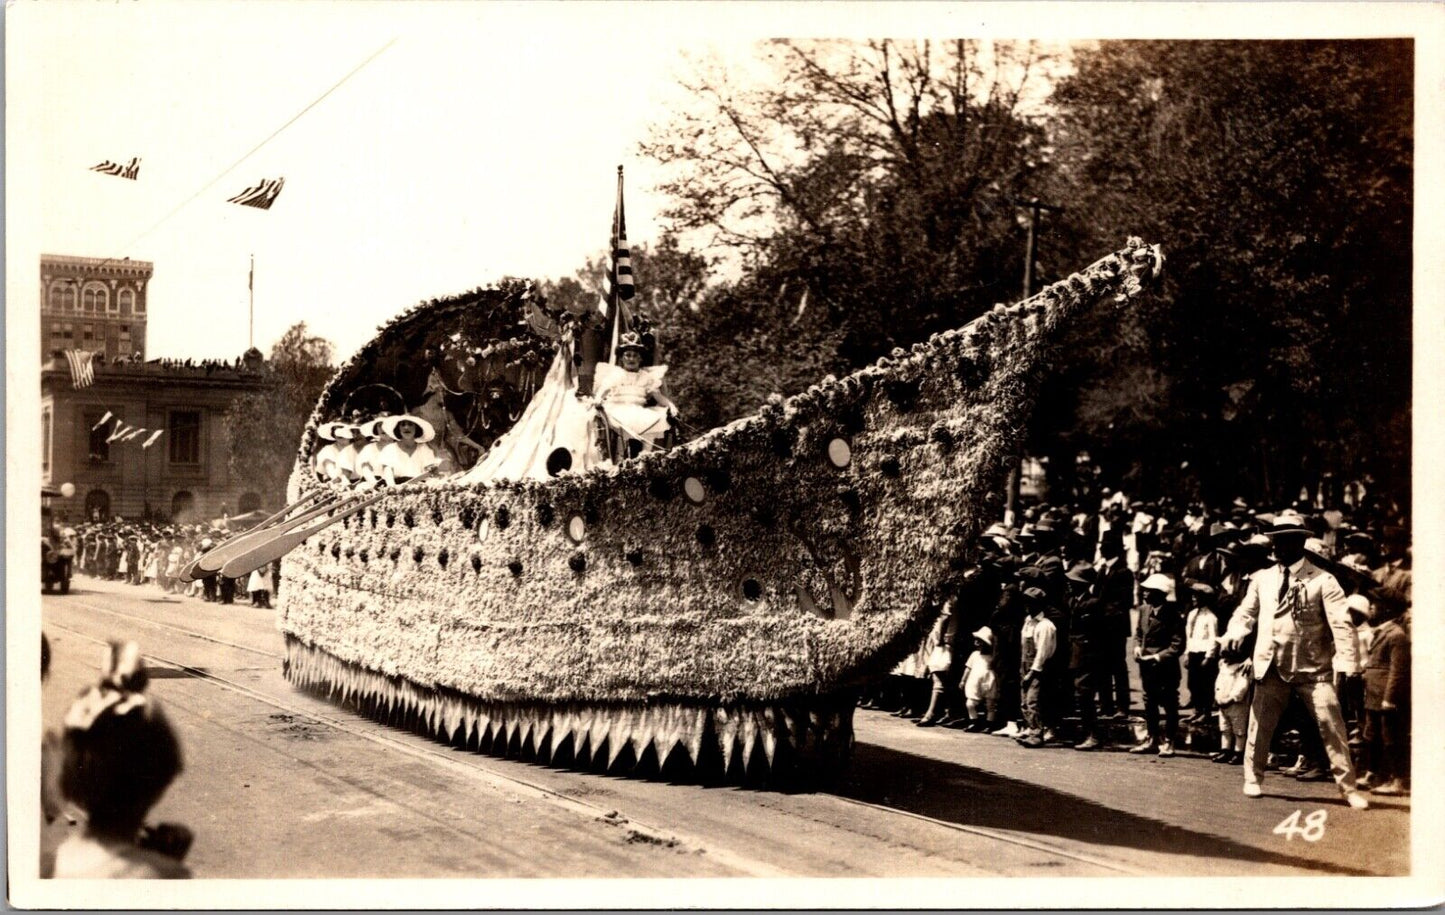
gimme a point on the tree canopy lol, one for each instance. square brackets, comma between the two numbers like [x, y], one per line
[265, 426]
[870, 194]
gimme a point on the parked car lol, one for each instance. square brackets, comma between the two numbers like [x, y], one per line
[57, 550]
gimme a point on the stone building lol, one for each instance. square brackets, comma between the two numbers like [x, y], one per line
[99, 306]
[93, 304]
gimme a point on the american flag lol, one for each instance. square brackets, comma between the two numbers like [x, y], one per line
[262, 195]
[620, 276]
[82, 373]
[130, 170]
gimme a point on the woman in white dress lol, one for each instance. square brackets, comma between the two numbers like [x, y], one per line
[325, 461]
[368, 459]
[408, 455]
[622, 391]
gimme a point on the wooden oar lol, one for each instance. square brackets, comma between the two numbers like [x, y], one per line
[209, 563]
[289, 536]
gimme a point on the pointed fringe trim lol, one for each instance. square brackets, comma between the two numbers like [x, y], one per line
[811, 733]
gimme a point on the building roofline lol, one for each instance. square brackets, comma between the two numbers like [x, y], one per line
[79, 261]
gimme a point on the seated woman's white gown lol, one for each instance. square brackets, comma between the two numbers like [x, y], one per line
[623, 396]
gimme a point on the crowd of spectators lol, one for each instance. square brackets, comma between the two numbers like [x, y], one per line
[1038, 639]
[144, 553]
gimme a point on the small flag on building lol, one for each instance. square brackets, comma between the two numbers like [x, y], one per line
[103, 420]
[130, 170]
[152, 440]
[82, 372]
[261, 195]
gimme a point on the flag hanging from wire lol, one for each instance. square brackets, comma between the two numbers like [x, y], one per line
[130, 170]
[103, 420]
[134, 435]
[152, 440]
[262, 195]
[82, 372]
[120, 432]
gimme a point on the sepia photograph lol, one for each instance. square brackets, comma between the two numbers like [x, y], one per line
[820, 455]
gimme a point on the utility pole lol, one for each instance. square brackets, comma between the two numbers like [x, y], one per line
[1015, 474]
[251, 290]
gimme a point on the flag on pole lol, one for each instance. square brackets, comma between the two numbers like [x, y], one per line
[262, 195]
[621, 254]
[130, 170]
[82, 372]
[152, 440]
[619, 281]
[103, 420]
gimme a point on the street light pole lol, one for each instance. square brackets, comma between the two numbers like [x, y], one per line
[1015, 474]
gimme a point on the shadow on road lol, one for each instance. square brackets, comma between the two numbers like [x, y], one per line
[973, 797]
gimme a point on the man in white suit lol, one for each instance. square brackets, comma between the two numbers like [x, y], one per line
[1297, 614]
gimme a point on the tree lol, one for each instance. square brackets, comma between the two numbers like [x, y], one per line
[1278, 177]
[868, 193]
[265, 426]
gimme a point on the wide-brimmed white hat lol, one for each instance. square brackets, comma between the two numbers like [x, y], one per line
[372, 428]
[333, 430]
[1161, 583]
[389, 425]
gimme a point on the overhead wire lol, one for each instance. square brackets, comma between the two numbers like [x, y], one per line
[275, 133]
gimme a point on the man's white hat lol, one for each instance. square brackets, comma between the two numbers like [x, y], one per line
[1159, 582]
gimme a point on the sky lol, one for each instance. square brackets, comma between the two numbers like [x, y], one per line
[480, 143]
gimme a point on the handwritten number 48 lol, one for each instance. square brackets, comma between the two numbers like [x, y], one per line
[1311, 828]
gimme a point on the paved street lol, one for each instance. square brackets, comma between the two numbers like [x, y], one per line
[279, 783]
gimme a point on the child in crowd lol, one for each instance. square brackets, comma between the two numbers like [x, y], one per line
[1387, 699]
[1201, 648]
[119, 756]
[1232, 688]
[980, 689]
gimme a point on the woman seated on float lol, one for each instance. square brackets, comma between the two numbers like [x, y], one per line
[408, 455]
[622, 392]
[347, 454]
[368, 459]
[326, 461]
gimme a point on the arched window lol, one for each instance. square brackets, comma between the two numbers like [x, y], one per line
[182, 506]
[95, 298]
[125, 301]
[97, 505]
[62, 295]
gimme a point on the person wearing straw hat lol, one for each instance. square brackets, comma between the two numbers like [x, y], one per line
[1159, 640]
[408, 455]
[368, 459]
[1298, 617]
[324, 462]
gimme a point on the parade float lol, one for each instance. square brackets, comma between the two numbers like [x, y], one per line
[715, 604]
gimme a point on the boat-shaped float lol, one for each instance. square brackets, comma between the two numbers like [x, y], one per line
[715, 604]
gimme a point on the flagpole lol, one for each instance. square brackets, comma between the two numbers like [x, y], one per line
[251, 288]
[614, 298]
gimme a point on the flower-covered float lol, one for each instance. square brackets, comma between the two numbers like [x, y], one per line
[716, 604]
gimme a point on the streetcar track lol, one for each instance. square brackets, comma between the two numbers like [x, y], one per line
[655, 835]
[181, 629]
[568, 801]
